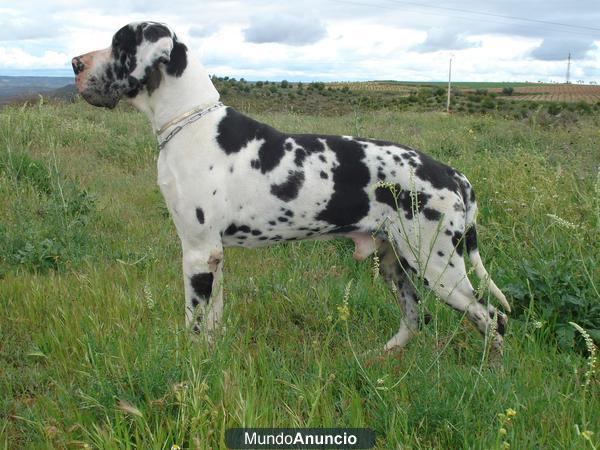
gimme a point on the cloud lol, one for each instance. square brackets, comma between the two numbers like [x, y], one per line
[285, 29]
[15, 58]
[16, 26]
[558, 48]
[444, 39]
[203, 31]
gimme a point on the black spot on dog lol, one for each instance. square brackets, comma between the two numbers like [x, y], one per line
[427, 318]
[349, 202]
[200, 215]
[155, 31]
[440, 253]
[387, 195]
[178, 59]
[322, 158]
[410, 202]
[310, 142]
[244, 229]
[289, 213]
[235, 131]
[289, 189]
[125, 43]
[255, 164]
[231, 229]
[458, 207]
[324, 175]
[300, 156]
[405, 267]
[288, 146]
[439, 175]
[283, 219]
[448, 232]
[432, 214]
[471, 239]
[500, 325]
[457, 242]
[256, 232]
[195, 302]
[214, 192]
[343, 229]
[153, 80]
[202, 284]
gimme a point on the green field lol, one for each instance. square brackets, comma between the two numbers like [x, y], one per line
[463, 84]
[93, 351]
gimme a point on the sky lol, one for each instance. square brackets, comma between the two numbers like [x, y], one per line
[326, 40]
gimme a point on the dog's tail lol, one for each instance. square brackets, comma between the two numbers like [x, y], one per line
[471, 245]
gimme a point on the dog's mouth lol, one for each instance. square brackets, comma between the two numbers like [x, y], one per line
[95, 99]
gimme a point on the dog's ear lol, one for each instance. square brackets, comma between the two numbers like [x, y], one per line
[155, 47]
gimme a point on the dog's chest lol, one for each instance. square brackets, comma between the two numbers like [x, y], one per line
[166, 179]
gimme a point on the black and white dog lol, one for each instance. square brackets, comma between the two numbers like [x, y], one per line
[229, 180]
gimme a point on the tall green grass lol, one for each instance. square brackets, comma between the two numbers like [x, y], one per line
[93, 350]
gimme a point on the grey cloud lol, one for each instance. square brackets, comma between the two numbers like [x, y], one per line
[285, 29]
[30, 28]
[557, 49]
[443, 39]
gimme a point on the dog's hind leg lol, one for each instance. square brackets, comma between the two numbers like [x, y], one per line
[397, 279]
[452, 285]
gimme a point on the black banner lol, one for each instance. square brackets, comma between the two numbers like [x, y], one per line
[300, 438]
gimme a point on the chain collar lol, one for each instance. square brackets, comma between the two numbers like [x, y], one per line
[181, 121]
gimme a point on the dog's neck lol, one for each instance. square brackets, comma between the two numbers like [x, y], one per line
[177, 95]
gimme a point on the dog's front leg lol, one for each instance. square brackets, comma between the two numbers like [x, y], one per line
[202, 272]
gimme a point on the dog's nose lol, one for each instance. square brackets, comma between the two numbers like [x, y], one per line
[77, 65]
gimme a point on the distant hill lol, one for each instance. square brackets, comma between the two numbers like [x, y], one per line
[21, 88]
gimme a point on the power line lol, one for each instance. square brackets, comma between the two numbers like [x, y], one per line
[470, 19]
[482, 13]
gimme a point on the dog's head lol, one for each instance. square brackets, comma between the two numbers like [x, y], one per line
[138, 58]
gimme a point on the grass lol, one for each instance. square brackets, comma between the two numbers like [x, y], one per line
[93, 351]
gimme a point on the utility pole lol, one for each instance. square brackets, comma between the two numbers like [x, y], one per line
[569, 69]
[449, 85]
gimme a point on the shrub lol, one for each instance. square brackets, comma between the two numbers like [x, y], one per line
[508, 90]
[488, 103]
[284, 84]
[554, 109]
